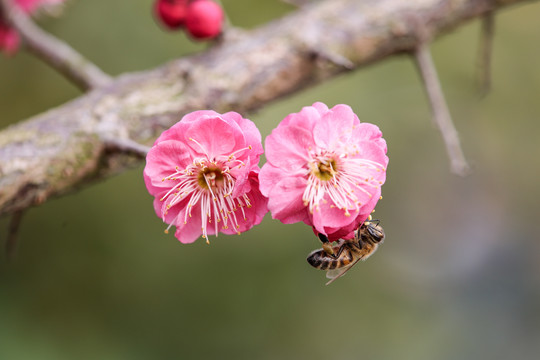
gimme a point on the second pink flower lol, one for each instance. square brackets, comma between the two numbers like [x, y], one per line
[324, 168]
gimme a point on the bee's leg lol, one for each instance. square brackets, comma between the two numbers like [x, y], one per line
[327, 246]
[341, 248]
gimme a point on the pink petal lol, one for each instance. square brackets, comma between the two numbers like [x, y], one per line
[196, 115]
[213, 136]
[259, 203]
[285, 201]
[250, 131]
[269, 177]
[287, 147]
[253, 214]
[372, 151]
[175, 132]
[171, 215]
[345, 232]
[336, 126]
[190, 231]
[242, 185]
[320, 107]
[306, 118]
[328, 215]
[369, 132]
[161, 162]
[369, 206]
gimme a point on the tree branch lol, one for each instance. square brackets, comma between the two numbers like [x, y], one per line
[65, 148]
[486, 49]
[441, 114]
[53, 51]
[126, 146]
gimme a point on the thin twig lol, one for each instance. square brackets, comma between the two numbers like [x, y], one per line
[126, 146]
[441, 114]
[13, 232]
[486, 49]
[333, 57]
[53, 51]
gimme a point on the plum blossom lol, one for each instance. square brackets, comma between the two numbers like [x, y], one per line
[325, 168]
[203, 173]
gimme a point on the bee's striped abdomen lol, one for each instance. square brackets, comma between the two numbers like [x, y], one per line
[319, 259]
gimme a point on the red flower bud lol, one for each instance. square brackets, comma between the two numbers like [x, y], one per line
[172, 13]
[204, 19]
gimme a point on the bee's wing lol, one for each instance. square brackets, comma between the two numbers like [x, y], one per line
[335, 274]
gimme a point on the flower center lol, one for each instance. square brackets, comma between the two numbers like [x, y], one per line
[325, 169]
[207, 183]
[338, 177]
[210, 178]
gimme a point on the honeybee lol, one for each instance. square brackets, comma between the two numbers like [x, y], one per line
[339, 259]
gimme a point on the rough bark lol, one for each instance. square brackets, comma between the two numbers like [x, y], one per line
[64, 148]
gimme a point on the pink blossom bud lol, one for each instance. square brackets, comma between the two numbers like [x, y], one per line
[172, 13]
[204, 19]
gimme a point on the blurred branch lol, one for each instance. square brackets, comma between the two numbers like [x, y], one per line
[126, 146]
[486, 49]
[441, 114]
[53, 51]
[64, 148]
[298, 3]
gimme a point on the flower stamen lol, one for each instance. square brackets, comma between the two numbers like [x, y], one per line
[337, 177]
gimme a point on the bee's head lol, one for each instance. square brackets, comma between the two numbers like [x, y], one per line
[375, 231]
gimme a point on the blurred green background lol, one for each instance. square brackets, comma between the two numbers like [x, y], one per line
[458, 276]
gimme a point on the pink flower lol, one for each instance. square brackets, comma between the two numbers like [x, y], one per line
[324, 168]
[203, 173]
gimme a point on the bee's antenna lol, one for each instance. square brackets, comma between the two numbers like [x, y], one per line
[371, 220]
